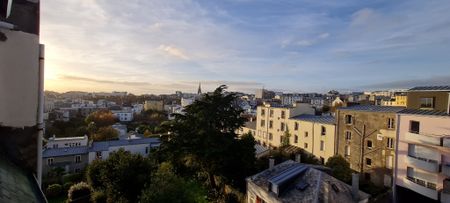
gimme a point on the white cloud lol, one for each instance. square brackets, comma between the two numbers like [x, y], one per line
[171, 50]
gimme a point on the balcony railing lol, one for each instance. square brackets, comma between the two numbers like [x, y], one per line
[421, 187]
[422, 163]
[422, 138]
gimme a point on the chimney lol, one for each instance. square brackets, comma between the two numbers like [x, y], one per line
[298, 158]
[271, 163]
[355, 186]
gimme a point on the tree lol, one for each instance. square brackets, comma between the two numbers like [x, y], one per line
[101, 118]
[340, 168]
[121, 177]
[53, 190]
[80, 193]
[168, 187]
[106, 133]
[285, 139]
[205, 140]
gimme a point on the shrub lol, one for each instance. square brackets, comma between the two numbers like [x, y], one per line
[98, 197]
[53, 190]
[67, 186]
[80, 192]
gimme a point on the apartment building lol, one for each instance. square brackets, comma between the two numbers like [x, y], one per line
[156, 105]
[314, 134]
[123, 115]
[272, 122]
[366, 137]
[399, 99]
[423, 149]
[61, 142]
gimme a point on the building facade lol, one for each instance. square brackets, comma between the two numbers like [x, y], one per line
[123, 115]
[272, 122]
[366, 137]
[63, 142]
[435, 98]
[314, 134]
[156, 105]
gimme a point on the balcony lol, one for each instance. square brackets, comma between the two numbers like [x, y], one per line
[424, 164]
[420, 187]
[423, 139]
[446, 169]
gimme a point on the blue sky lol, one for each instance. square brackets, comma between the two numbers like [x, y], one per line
[294, 46]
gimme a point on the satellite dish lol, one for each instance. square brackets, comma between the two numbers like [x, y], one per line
[5, 8]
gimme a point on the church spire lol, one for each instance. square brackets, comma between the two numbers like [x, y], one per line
[199, 88]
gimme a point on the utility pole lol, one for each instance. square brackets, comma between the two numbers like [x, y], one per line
[363, 135]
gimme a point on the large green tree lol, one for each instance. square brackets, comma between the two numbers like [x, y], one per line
[340, 168]
[121, 177]
[204, 140]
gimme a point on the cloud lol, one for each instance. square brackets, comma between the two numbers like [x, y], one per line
[406, 84]
[173, 51]
[112, 82]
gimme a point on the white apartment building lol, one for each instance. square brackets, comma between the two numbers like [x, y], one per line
[272, 122]
[102, 150]
[123, 115]
[63, 142]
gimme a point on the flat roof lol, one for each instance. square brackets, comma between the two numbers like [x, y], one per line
[316, 119]
[431, 88]
[251, 125]
[373, 108]
[424, 112]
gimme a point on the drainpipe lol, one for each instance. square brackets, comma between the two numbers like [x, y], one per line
[397, 140]
[40, 115]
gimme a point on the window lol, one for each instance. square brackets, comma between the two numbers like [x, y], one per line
[263, 123]
[283, 114]
[390, 124]
[323, 130]
[390, 143]
[281, 139]
[98, 155]
[348, 119]
[306, 145]
[271, 124]
[296, 126]
[409, 172]
[369, 144]
[348, 135]
[306, 134]
[368, 162]
[282, 126]
[77, 159]
[295, 139]
[414, 127]
[322, 145]
[271, 113]
[347, 150]
[50, 161]
[263, 112]
[146, 150]
[270, 136]
[431, 185]
[427, 102]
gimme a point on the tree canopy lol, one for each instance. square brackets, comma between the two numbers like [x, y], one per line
[340, 168]
[101, 118]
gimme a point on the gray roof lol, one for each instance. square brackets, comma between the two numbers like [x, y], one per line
[316, 182]
[104, 145]
[431, 88]
[424, 112]
[314, 118]
[251, 125]
[97, 146]
[17, 184]
[67, 151]
[373, 108]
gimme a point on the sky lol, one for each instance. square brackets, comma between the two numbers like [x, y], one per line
[161, 46]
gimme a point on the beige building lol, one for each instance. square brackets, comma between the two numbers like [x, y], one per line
[435, 98]
[272, 122]
[154, 105]
[397, 100]
[366, 138]
[314, 134]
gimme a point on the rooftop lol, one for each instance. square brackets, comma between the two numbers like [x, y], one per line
[310, 185]
[431, 88]
[66, 151]
[250, 124]
[424, 112]
[314, 118]
[373, 108]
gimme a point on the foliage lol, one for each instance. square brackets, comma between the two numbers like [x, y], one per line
[53, 190]
[74, 177]
[106, 133]
[67, 186]
[286, 138]
[80, 192]
[98, 197]
[101, 118]
[204, 140]
[72, 128]
[121, 177]
[168, 187]
[340, 168]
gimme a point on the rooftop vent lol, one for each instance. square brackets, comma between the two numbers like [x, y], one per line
[281, 181]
